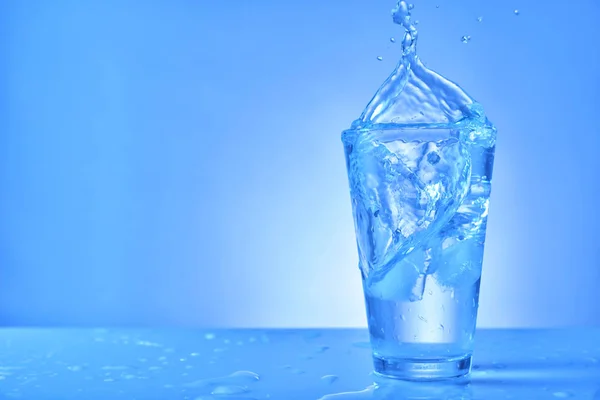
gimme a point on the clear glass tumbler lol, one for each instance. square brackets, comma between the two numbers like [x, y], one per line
[420, 198]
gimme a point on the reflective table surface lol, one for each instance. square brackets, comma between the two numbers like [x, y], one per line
[329, 364]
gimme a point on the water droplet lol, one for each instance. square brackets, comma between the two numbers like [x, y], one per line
[422, 318]
[442, 327]
[74, 368]
[245, 376]
[416, 22]
[226, 390]
[517, 12]
[194, 354]
[376, 214]
[452, 294]
[298, 371]
[209, 336]
[115, 368]
[437, 6]
[402, 317]
[393, 40]
[362, 394]
[562, 395]
[239, 378]
[147, 343]
[411, 6]
[379, 58]
[322, 349]
[312, 335]
[465, 39]
[329, 379]
[479, 19]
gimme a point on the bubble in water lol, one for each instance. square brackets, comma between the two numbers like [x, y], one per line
[209, 336]
[437, 6]
[329, 379]
[479, 19]
[465, 39]
[517, 12]
[379, 58]
[433, 159]
[393, 40]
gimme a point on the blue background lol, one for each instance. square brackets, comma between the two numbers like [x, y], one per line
[180, 162]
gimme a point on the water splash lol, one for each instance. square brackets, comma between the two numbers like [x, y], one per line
[413, 94]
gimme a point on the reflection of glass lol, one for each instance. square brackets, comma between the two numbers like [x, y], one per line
[419, 162]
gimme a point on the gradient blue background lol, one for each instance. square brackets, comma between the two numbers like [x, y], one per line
[179, 162]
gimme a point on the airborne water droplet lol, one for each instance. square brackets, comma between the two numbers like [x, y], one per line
[517, 12]
[411, 6]
[379, 58]
[393, 40]
[480, 19]
[209, 336]
[465, 39]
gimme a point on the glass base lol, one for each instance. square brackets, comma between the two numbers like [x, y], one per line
[422, 370]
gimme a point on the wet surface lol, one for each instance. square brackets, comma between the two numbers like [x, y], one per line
[281, 364]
